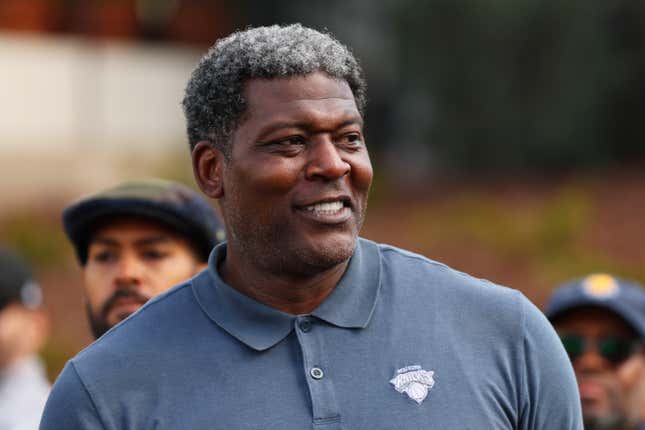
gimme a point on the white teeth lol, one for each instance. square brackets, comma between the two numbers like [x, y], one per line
[325, 208]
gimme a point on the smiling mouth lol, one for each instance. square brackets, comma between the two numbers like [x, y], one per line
[327, 208]
[331, 212]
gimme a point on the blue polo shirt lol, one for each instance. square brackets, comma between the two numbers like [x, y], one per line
[401, 343]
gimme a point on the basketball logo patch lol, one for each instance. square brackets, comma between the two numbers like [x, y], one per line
[414, 382]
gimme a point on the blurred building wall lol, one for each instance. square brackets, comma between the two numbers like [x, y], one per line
[78, 92]
[70, 107]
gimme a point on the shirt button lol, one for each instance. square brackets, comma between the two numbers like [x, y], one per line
[316, 373]
[305, 325]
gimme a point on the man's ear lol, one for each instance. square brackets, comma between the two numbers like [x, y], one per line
[208, 168]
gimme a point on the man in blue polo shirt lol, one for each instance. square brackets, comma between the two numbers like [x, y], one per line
[297, 323]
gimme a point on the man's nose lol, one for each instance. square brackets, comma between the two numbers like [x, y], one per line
[129, 271]
[590, 362]
[325, 160]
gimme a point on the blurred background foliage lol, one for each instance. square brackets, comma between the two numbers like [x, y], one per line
[507, 136]
[491, 84]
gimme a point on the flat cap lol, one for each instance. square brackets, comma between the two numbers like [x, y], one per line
[169, 203]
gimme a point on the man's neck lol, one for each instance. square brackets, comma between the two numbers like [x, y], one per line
[292, 294]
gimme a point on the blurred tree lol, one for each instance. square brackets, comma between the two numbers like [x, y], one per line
[481, 85]
[530, 84]
[455, 85]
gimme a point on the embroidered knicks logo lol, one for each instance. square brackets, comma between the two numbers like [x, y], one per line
[413, 381]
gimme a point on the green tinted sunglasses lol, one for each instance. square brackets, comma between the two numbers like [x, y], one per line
[614, 349]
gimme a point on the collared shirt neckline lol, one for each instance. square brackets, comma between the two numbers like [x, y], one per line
[259, 326]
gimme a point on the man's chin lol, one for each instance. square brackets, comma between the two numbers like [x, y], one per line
[328, 252]
[117, 318]
[99, 326]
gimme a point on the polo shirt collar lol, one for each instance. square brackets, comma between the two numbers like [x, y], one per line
[259, 326]
[352, 302]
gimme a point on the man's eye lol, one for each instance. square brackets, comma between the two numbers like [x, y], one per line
[104, 256]
[292, 141]
[289, 146]
[153, 254]
[351, 139]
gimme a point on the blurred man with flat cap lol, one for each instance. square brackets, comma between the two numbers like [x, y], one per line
[298, 323]
[601, 321]
[23, 331]
[135, 241]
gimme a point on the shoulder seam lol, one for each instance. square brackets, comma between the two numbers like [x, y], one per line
[439, 265]
[89, 394]
[413, 256]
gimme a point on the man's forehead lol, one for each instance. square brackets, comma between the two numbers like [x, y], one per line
[313, 86]
[311, 101]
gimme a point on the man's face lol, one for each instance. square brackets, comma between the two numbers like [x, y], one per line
[22, 332]
[295, 188]
[129, 261]
[605, 368]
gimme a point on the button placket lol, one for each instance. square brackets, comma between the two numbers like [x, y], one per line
[325, 411]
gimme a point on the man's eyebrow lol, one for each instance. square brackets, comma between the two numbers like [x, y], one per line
[351, 121]
[275, 126]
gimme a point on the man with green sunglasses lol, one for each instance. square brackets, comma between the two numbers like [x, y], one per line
[601, 321]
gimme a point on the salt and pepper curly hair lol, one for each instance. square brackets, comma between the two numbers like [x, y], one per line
[214, 99]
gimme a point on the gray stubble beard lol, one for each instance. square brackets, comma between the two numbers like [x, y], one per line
[275, 259]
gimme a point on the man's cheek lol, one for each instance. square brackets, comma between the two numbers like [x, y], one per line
[632, 371]
[632, 377]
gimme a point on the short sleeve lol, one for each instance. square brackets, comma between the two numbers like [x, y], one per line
[69, 405]
[550, 398]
